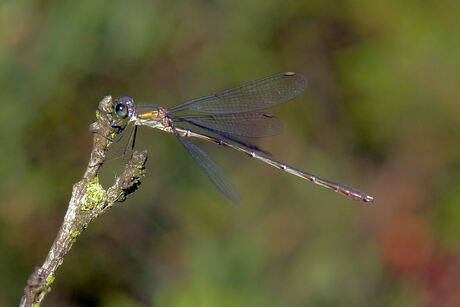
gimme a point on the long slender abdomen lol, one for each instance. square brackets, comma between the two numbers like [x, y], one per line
[342, 189]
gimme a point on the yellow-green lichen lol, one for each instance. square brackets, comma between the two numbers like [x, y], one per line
[113, 135]
[95, 195]
[49, 280]
[74, 236]
[36, 305]
[99, 115]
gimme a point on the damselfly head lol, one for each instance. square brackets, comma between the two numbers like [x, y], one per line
[124, 107]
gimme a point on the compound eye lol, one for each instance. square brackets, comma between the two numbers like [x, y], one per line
[121, 110]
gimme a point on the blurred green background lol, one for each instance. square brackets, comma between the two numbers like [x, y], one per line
[381, 113]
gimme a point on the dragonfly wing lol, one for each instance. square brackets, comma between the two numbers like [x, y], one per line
[213, 170]
[241, 124]
[256, 95]
[227, 135]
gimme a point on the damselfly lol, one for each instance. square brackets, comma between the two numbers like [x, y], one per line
[223, 118]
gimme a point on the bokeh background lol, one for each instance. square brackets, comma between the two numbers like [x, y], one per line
[381, 113]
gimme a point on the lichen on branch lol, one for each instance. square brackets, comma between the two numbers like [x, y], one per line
[89, 200]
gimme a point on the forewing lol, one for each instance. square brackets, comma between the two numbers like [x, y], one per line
[256, 95]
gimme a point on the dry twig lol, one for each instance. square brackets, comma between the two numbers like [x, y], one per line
[89, 200]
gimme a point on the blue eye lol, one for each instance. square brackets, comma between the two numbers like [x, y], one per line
[121, 110]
